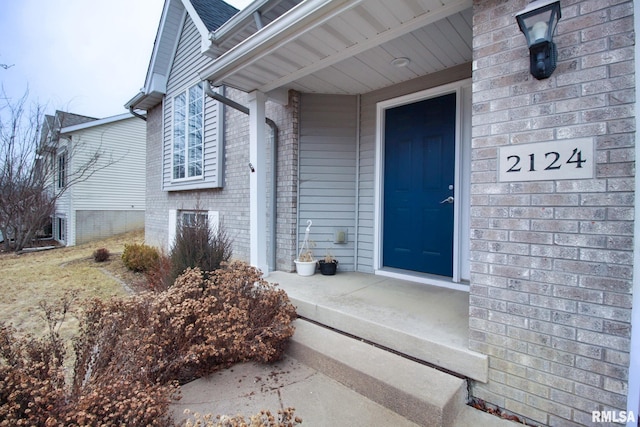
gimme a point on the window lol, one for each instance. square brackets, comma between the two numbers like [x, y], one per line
[193, 219]
[62, 170]
[188, 129]
[61, 232]
[190, 218]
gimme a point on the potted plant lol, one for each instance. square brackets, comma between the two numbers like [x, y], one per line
[305, 263]
[328, 264]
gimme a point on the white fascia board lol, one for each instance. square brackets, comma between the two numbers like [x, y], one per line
[158, 83]
[168, 8]
[95, 123]
[205, 43]
[133, 102]
[301, 18]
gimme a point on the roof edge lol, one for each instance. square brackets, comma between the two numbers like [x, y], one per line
[94, 123]
[288, 25]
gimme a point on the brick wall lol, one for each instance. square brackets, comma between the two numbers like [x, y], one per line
[156, 219]
[551, 261]
[232, 201]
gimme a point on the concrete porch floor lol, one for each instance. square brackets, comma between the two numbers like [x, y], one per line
[425, 322]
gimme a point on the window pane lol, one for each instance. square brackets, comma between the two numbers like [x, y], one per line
[195, 125]
[193, 219]
[179, 141]
[188, 126]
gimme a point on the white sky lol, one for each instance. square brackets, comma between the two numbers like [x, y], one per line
[87, 57]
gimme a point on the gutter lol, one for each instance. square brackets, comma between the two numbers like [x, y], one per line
[274, 160]
[133, 102]
[138, 115]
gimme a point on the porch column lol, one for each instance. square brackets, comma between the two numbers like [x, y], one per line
[258, 182]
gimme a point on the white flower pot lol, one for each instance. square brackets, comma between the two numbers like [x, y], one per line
[305, 268]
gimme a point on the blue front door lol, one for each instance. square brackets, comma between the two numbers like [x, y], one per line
[419, 170]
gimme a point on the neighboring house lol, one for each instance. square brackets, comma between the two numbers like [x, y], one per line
[109, 197]
[383, 111]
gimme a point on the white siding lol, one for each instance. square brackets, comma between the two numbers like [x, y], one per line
[112, 197]
[119, 182]
[63, 204]
[328, 173]
[184, 74]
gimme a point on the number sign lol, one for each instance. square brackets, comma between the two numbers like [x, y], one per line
[563, 159]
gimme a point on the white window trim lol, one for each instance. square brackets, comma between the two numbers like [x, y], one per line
[213, 219]
[60, 184]
[455, 282]
[186, 142]
[61, 229]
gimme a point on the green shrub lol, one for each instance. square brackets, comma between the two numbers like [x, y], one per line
[197, 246]
[101, 255]
[139, 257]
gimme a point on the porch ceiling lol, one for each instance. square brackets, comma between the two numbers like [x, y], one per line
[347, 46]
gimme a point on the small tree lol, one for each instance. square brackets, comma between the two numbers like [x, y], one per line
[28, 166]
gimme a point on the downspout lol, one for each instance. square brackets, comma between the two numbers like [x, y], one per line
[274, 160]
[274, 176]
[357, 224]
[138, 115]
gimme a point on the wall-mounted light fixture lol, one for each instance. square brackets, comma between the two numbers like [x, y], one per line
[538, 23]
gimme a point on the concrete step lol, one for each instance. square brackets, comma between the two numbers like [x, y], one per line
[425, 322]
[419, 393]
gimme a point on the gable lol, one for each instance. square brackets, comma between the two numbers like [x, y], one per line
[205, 15]
[183, 75]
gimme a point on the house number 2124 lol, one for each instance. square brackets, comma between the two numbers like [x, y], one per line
[567, 159]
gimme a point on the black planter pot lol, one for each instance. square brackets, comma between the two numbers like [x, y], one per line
[328, 268]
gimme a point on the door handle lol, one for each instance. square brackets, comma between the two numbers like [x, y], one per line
[447, 200]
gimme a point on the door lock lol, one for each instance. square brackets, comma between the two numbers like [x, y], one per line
[447, 200]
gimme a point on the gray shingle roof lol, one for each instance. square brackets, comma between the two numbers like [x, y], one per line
[213, 13]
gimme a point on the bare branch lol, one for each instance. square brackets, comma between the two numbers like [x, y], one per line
[30, 145]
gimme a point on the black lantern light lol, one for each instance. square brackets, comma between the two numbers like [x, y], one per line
[538, 23]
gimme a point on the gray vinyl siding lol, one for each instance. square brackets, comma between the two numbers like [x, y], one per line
[327, 185]
[184, 74]
[366, 181]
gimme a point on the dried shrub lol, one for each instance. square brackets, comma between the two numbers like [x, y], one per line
[101, 255]
[31, 379]
[159, 278]
[197, 246]
[197, 326]
[131, 352]
[284, 418]
[33, 389]
[139, 257]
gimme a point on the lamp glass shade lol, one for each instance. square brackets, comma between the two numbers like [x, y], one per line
[538, 20]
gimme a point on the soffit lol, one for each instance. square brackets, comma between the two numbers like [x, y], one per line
[346, 47]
